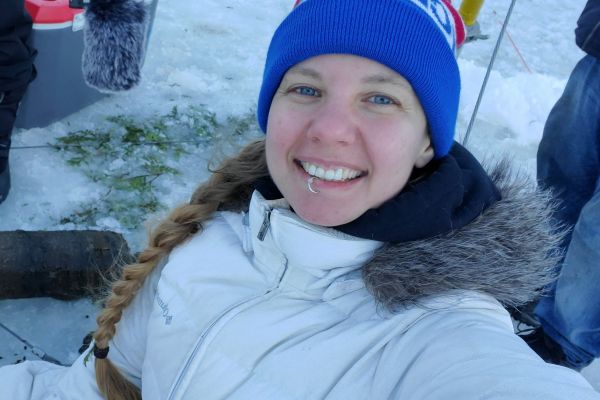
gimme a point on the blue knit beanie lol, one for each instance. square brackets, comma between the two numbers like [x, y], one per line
[416, 38]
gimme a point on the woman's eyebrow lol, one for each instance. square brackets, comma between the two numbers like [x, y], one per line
[307, 72]
[379, 78]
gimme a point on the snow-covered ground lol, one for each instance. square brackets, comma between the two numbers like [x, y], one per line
[209, 53]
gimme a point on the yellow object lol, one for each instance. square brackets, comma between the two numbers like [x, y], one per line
[469, 10]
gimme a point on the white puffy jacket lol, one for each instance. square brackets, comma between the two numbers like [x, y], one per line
[265, 306]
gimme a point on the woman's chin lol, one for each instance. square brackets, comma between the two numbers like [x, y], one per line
[323, 217]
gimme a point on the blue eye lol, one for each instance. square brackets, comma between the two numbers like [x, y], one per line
[381, 100]
[306, 91]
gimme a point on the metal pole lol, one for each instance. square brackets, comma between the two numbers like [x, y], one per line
[487, 74]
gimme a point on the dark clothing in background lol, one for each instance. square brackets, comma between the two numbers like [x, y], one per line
[569, 164]
[16, 71]
[16, 53]
[587, 34]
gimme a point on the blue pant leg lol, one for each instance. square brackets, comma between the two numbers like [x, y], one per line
[571, 315]
[569, 165]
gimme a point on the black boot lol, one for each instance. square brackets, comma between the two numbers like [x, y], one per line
[548, 349]
[544, 346]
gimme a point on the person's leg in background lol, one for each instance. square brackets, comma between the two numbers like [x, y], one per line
[569, 165]
[16, 71]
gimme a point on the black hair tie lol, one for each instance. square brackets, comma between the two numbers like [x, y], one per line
[100, 353]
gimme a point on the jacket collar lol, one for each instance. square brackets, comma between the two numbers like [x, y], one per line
[314, 260]
[509, 252]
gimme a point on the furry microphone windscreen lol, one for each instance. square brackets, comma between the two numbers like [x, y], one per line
[114, 43]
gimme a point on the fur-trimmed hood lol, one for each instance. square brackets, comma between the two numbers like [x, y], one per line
[508, 252]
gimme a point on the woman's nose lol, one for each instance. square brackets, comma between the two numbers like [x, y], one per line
[333, 123]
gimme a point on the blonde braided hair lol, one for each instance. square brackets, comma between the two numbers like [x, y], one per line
[229, 188]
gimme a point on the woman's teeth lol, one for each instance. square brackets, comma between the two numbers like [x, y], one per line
[337, 174]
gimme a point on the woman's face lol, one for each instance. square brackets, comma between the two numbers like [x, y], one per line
[355, 125]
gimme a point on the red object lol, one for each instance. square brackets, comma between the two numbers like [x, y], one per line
[51, 11]
[461, 33]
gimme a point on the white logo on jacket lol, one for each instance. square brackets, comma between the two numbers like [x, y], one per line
[165, 309]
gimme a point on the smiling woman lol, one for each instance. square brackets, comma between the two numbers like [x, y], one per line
[353, 124]
[355, 253]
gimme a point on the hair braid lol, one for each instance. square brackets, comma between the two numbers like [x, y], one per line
[229, 188]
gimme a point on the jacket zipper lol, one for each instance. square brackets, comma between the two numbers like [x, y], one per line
[175, 388]
[264, 228]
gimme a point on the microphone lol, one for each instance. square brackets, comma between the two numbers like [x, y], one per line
[114, 39]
